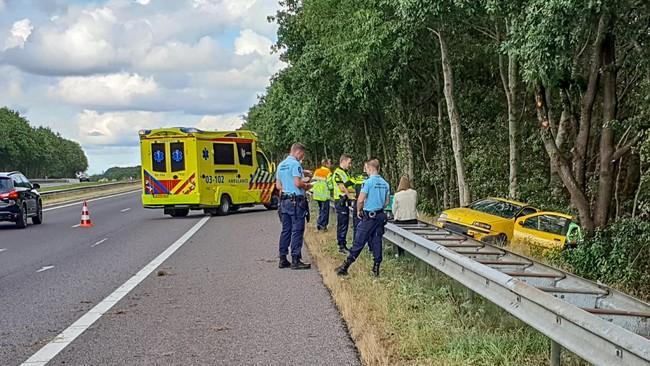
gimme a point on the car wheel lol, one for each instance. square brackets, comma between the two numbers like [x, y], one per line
[38, 219]
[224, 207]
[21, 222]
[180, 212]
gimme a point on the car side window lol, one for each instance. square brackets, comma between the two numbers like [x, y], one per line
[532, 223]
[553, 224]
[26, 182]
[18, 182]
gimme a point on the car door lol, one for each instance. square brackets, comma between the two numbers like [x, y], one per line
[29, 195]
[542, 229]
[32, 197]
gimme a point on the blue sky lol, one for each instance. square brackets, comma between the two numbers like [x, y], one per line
[98, 71]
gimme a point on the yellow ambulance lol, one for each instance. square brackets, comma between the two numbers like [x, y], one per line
[187, 169]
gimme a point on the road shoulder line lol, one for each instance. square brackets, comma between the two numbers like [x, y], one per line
[61, 341]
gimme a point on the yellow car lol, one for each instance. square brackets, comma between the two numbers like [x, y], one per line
[490, 220]
[546, 230]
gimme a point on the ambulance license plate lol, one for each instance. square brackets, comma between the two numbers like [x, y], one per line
[158, 195]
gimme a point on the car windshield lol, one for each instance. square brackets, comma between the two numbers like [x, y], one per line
[498, 208]
[6, 185]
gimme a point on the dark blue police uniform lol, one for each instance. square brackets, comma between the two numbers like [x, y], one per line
[293, 208]
[371, 228]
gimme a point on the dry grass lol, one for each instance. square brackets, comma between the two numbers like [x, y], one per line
[366, 330]
[414, 315]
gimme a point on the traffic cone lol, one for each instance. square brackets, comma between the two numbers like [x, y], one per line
[85, 216]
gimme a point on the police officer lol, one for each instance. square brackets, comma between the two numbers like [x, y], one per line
[343, 191]
[374, 197]
[293, 207]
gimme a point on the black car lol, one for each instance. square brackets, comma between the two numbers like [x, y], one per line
[19, 200]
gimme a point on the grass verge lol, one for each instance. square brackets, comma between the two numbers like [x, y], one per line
[415, 315]
[69, 186]
[85, 195]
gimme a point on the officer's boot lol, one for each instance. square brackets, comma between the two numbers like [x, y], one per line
[284, 263]
[375, 269]
[343, 269]
[298, 264]
[343, 249]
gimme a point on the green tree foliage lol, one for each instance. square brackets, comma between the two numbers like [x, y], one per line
[120, 173]
[37, 152]
[369, 78]
[616, 255]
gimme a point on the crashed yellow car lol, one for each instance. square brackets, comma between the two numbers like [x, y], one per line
[491, 220]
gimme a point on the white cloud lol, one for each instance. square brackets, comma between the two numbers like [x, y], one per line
[20, 32]
[99, 71]
[115, 128]
[174, 56]
[104, 90]
[249, 42]
[220, 123]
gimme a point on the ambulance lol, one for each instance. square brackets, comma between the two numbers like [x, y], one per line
[185, 169]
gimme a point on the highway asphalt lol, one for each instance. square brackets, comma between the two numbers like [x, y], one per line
[218, 299]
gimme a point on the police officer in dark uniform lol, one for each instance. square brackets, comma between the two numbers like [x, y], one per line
[374, 197]
[293, 207]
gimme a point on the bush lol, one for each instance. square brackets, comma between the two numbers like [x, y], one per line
[617, 255]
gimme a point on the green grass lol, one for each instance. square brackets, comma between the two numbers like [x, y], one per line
[425, 318]
[69, 186]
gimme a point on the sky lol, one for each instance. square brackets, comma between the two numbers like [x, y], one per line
[99, 71]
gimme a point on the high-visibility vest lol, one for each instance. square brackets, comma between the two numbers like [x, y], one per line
[320, 189]
[340, 176]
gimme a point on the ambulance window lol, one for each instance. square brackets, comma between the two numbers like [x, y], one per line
[261, 162]
[223, 154]
[178, 156]
[245, 150]
[158, 157]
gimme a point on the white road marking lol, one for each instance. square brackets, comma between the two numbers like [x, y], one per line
[126, 209]
[2, 249]
[99, 242]
[91, 200]
[45, 268]
[61, 341]
[73, 226]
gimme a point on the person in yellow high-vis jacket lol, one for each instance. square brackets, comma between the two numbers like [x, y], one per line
[344, 195]
[322, 193]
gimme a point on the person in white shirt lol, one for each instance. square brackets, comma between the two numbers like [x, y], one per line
[405, 205]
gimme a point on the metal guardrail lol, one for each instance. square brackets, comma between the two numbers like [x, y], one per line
[87, 188]
[599, 324]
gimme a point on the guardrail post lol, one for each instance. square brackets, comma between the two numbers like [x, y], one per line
[555, 353]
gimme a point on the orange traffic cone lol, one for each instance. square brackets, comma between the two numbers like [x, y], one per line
[85, 216]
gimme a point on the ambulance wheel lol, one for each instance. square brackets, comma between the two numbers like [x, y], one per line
[273, 205]
[234, 208]
[180, 212]
[225, 206]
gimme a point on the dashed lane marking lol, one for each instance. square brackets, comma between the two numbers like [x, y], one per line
[99, 242]
[126, 209]
[45, 268]
[61, 341]
[90, 200]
